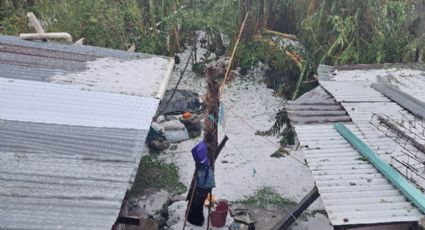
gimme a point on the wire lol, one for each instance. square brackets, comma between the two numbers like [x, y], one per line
[175, 87]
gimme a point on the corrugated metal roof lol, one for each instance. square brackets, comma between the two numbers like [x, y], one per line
[91, 68]
[60, 104]
[350, 91]
[409, 79]
[69, 151]
[61, 176]
[315, 106]
[352, 190]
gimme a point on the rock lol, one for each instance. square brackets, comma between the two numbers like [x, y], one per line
[159, 144]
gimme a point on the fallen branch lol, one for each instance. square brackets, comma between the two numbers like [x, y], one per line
[286, 36]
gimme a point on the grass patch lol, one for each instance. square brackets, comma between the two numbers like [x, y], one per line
[155, 174]
[266, 197]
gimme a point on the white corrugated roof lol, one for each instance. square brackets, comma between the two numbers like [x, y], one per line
[352, 190]
[358, 91]
[68, 105]
[408, 80]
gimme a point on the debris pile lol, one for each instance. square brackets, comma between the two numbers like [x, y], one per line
[179, 119]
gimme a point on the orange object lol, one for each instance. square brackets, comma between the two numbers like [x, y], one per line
[207, 200]
[187, 115]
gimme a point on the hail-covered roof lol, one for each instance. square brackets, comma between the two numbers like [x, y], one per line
[73, 122]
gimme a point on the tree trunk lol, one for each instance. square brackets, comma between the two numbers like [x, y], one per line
[141, 13]
[152, 15]
[215, 74]
[249, 29]
[213, 105]
[266, 13]
[260, 19]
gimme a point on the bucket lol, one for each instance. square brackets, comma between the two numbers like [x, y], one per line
[218, 216]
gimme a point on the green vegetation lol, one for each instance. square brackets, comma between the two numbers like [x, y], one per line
[266, 197]
[155, 174]
[331, 32]
[291, 36]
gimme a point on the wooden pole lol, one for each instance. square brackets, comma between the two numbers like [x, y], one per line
[215, 74]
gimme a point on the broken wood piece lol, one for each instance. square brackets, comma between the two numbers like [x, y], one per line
[35, 23]
[79, 42]
[41, 36]
[296, 212]
[283, 35]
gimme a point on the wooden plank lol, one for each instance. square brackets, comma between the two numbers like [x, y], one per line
[409, 191]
